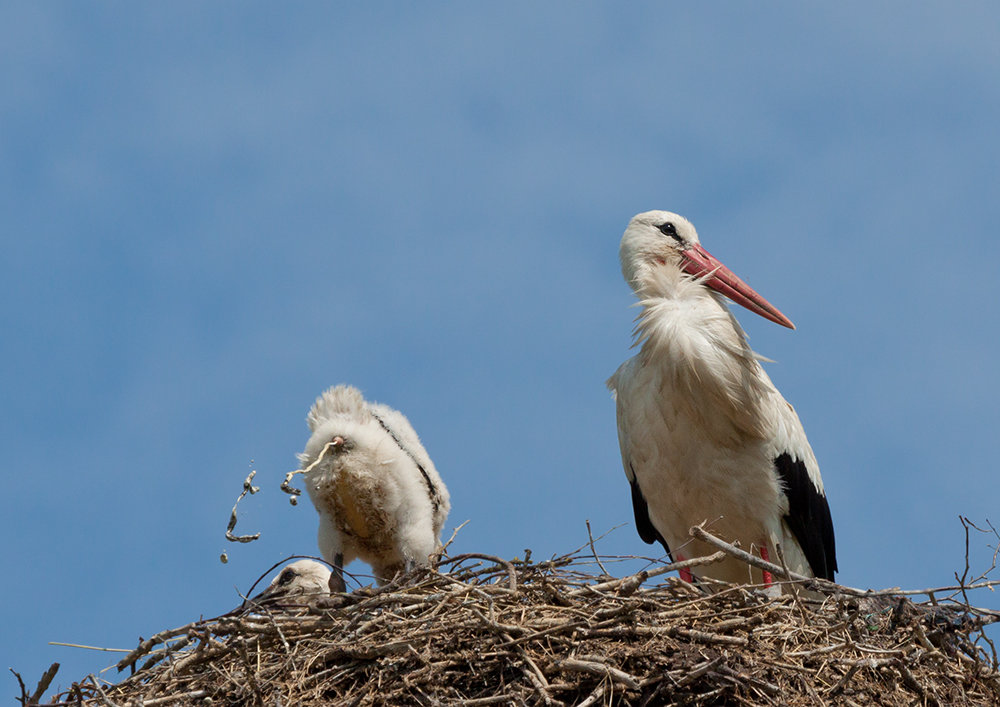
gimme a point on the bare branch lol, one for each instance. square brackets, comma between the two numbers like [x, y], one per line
[44, 682]
[593, 551]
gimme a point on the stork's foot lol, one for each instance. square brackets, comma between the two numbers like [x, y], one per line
[336, 582]
[684, 572]
[767, 577]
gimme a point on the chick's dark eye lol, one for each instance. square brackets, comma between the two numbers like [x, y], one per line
[286, 577]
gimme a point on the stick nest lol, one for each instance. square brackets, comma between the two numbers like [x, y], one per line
[479, 630]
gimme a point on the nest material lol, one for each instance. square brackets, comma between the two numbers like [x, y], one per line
[483, 631]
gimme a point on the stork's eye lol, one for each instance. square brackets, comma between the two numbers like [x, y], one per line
[286, 577]
[669, 229]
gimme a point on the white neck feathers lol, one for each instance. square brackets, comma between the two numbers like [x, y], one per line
[705, 362]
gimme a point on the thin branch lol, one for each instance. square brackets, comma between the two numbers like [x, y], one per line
[600, 669]
[593, 551]
[23, 699]
[454, 533]
[630, 583]
[509, 566]
[90, 648]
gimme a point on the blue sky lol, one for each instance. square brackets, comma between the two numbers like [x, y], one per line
[210, 213]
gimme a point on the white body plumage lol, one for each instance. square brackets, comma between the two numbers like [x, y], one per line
[704, 434]
[376, 490]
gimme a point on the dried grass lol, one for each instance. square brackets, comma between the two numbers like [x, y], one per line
[479, 630]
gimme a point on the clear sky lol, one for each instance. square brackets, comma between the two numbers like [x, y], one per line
[212, 212]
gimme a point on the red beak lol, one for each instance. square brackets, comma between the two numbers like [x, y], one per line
[699, 262]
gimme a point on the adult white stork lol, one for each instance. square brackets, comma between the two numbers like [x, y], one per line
[704, 434]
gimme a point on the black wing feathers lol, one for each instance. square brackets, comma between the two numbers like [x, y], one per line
[647, 531]
[808, 516]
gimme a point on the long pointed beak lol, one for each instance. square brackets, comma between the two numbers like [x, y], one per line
[699, 262]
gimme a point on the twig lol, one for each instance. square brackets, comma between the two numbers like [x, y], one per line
[494, 700]
[996, 548]
[165, 652]
[454, 533]
[911, 682]
[593, 697]
[250, 672]
[593, 551]
[509, 566]
[795, 589]
[44, 682]
[561, 628]
[175, 699]
[101, 694]
[90, 648]
[534, 675]
[600, 669]
[701, 534]
[628, 584]
[965, 573]
[810, 582]
[578, 550]
[23, 699]
[145, 646]
[699, 670]
[769, 688]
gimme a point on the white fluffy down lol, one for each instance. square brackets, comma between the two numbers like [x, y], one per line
[378, 495]
[297, 581]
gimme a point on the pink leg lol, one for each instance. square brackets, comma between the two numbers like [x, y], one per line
[768, 579]
[685, 572]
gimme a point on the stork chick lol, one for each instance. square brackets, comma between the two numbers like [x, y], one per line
[378, 495]
[296, 584]
[705, 436]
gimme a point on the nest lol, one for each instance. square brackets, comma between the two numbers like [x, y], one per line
[479, 630]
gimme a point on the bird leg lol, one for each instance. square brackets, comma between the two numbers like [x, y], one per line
[767, 577]
[336, 583]
[684, 572]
